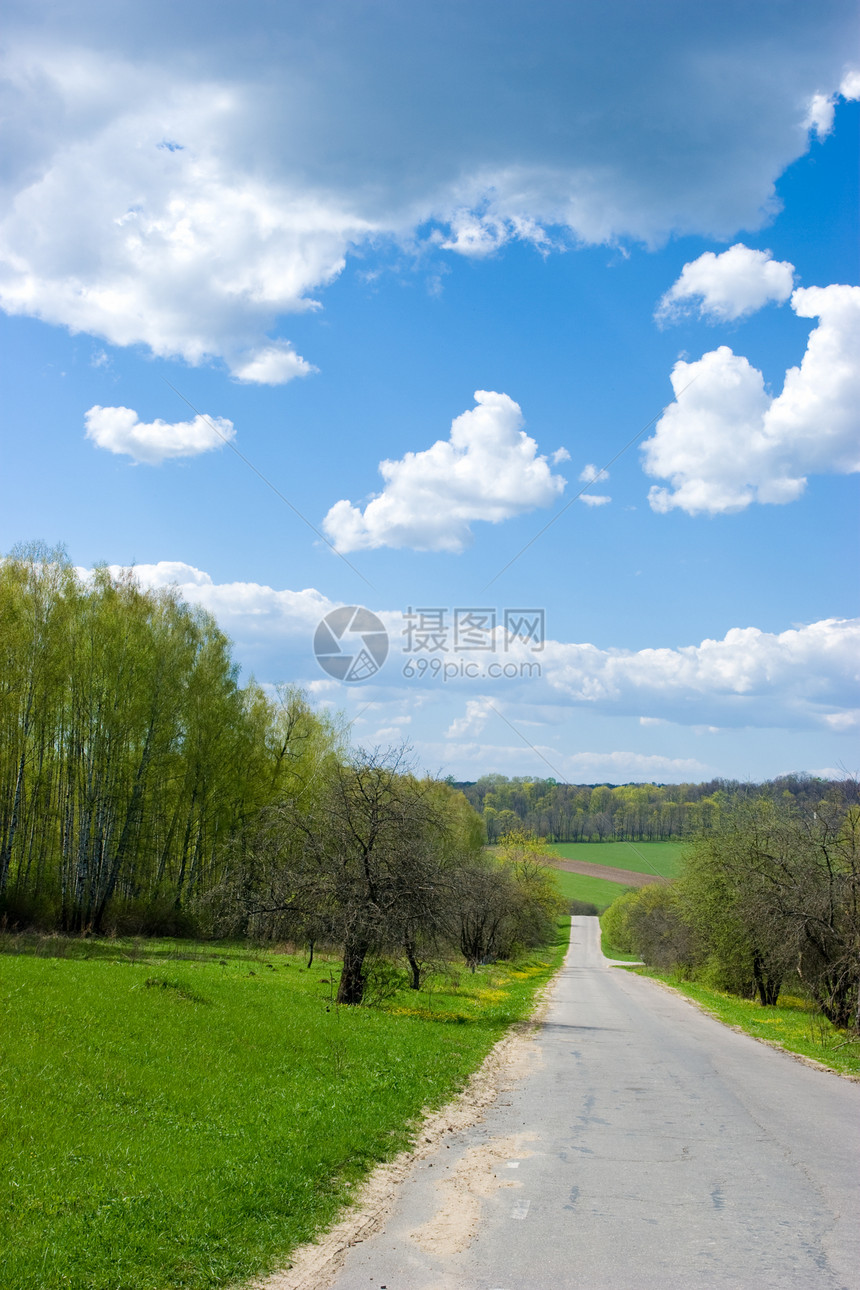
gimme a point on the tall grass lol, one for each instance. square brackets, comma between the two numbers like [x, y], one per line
[181, 1115]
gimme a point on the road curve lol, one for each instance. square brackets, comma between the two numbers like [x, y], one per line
[648, 1148]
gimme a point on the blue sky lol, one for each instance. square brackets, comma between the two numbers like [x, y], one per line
[327, 227]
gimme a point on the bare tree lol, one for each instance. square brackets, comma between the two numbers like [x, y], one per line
[364, 862]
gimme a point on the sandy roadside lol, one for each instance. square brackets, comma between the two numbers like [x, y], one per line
[314, 1266]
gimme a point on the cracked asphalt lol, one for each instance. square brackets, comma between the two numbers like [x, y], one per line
[648, 1146]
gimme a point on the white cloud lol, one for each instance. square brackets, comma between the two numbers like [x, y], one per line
[843, 720]
[119, 430]
[177, 248]
[728, 286]
[489, 469]
[248, 611]
[595, 499]
[850, 87]
[822, 110]
[804, 678]
[726, 442]
[185, 195]
[581, 767]
[478, 712]
[589, 473]
[273, 365]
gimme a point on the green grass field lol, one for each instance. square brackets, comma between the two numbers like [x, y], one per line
[578, 886]
[793, 1023]
[663, 858]
[177, 1114]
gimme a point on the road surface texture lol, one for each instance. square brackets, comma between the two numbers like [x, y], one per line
[647, 1147]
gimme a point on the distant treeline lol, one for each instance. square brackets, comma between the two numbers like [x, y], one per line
[624, 812]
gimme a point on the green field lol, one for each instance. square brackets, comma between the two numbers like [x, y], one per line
[177, 1114]
[663, 858]
[578, 886]
[794, 1023]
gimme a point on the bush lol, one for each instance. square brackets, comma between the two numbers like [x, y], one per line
[648, 922]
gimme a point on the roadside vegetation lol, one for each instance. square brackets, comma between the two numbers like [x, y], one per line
[181, 1114]
[795, 1023]
[766, 910]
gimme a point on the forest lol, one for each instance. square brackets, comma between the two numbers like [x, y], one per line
[624, 812]
[144, 790]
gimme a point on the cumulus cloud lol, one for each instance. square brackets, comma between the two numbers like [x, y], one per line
[806, 677]
[728, 286]
[489, 469]
[589, 475]
[726, 443]
[176, 248]
[819, 118]
[186, 195]
[246, 610]
[121, 431]
[273, 365]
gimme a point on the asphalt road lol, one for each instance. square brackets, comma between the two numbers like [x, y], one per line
[647, 1147]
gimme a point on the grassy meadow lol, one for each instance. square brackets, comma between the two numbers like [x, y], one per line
[579, 886]
[663, 858]
[180, 1114]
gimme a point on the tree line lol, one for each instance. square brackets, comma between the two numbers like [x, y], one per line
[622, 812]
[770, 897]
[142, 788]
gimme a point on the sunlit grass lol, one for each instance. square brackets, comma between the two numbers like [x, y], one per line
[579, 886]
[663, 858]
[181, 1115]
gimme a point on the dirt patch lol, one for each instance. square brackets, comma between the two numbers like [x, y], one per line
[627, 877]
[478, 1173]
[314, 1266]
